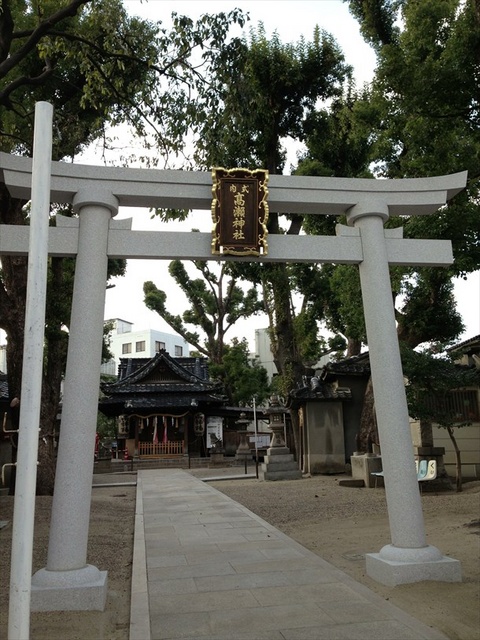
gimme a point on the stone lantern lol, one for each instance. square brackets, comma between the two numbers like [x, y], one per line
[279, 463]
[276, 415]
[243, 452]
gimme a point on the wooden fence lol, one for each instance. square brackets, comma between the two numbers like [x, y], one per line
[158, 449]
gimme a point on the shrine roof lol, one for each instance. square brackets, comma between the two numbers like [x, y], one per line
[357, 366]
[315, 390]
[161, 374]
[155, 402]
[472, 344]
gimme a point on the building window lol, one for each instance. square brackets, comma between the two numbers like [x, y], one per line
[127, 347]
[178, 350]
[159, 346]
[140, 346]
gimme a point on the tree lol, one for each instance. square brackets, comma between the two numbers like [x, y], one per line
[431, 379]
[99, 68]
[264, 95]
[426, 106]
[243, 379]
[216, 302]
[424, 116]
[338, 143]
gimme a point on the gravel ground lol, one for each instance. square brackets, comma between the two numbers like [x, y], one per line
[110, 547]
[341, 524]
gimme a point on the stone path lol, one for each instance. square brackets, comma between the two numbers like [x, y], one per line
[205, 567]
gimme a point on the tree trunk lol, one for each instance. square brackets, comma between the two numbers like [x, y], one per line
[368, 432]
[13, 291]
[458, 460]
[283, 346]
[295, 422]
[354, 347]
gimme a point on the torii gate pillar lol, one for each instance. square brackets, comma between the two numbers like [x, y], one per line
[408, 558]
[67, 581]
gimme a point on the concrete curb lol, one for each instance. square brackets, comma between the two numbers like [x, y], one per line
[139, 605]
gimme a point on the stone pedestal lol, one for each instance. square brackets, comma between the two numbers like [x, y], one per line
[243, 450]
[394, 566]
[76, 590]
[217, 458]
[279, 465]
[363, 466]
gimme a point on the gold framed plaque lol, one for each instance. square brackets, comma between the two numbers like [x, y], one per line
[239, 211]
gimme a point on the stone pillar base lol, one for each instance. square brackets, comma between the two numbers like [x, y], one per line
[279, 465]
[394, 566]
[76, 590]
[217, 458]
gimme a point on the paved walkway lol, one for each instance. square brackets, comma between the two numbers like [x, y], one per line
[205, 567]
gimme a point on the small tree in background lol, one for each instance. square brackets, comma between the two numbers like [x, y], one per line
[216, 302]
[432, 379]
[242, 378]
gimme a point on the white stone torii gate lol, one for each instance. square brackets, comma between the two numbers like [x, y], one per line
[96, 193]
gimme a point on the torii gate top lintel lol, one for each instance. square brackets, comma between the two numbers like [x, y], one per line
[192, 189]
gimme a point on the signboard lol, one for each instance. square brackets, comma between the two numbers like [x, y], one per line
[215, 429]
[240, 212]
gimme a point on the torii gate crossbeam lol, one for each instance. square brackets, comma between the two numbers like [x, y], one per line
[96, 193]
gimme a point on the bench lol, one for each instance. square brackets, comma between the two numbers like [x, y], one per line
[426, 470]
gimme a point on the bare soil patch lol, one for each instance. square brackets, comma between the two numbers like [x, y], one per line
[338, 523]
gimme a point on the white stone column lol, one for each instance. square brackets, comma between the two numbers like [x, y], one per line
[408, 558]
[67, 582]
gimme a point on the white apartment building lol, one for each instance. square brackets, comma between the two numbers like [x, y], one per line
[126, 343]
[263, 353]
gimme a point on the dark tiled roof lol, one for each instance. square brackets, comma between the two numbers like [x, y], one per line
[314, 389]
[194, 365]
[471, 343]
[132, 403]
[159, 383]
[358, 365]
[161, 374]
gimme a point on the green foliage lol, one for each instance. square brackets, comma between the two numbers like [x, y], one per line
[99, 68]
[338, 138]
[264, 90]
[377, 20]
[419, 118]
[431, 376]
[107, 340]
[90, 59]
[426, 105]
[242, 378]
[429, 309]
[106, 427]
[216, 302]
